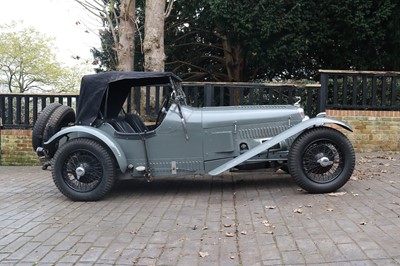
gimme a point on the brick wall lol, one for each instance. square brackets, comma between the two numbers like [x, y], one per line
[372, 130]
[16, 148]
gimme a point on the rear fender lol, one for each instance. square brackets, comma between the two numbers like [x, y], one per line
[318, 121]
[97, 134]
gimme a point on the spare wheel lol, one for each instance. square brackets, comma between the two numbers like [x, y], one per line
[61, 117]
[40, 125]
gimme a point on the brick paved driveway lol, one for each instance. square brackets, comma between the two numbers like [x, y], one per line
[237, 219]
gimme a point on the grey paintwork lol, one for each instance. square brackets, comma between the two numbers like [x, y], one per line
[94, 133]
[282, 136]
[211, 142]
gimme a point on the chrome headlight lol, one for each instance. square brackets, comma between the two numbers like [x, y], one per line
[303, 116]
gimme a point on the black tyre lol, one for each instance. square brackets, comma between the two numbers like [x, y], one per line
[83, 170]
[61, 117]
[321, 160]
[40, 125]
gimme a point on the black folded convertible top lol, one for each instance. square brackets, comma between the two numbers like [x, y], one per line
[94, 87]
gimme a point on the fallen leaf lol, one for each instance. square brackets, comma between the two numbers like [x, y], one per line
[244, 232]
[266, 223]
[363, 223]
[205, 228]
[300, 211]
[232, 257]
[336, 194]
[269, 232]
[229, 234]
[203, 254]
[270, 207]
[227, 225]
[329, 210]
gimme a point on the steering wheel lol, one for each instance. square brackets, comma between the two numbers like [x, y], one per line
[163, 110]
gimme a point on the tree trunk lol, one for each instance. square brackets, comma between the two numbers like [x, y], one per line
[235, 64]
[126, 31]
[153, 44]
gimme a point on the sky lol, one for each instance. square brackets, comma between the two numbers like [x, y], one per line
[74, 29]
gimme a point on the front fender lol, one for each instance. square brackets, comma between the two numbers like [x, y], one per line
[317, 121]
[97, 134]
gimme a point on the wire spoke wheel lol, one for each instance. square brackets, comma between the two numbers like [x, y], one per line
[321, 160]
[84, 170]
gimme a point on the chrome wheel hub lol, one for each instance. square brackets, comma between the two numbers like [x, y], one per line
[80, 171]
[324, 161]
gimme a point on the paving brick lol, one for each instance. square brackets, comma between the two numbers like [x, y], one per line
[129, 257]
[351, 251]
[79, 249]
[67, 243]
[169, 221]
[23, 251]
[37, 254]
[46, 234]
[292, 257]
[53, 256]
[112, 253]
[92, 254]
[330, 251]
[9, 239]
[285, 243]
[16, 244]
[4, 255]
[169, 256]
[37, 229]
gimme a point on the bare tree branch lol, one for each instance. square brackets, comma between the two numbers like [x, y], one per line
[169, 8]
[90, 7]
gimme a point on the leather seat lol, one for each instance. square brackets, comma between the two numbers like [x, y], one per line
[136, 123]
[121, 125]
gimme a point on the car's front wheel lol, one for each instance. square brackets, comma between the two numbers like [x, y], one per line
[83, 170]
[321, 160]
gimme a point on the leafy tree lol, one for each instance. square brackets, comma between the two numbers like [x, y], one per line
[242, 40]
[225, 40]
[28, 63]
[246, 40]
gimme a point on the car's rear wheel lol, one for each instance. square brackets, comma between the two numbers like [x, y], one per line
[321, 160]
[40, 125]
[83, 170]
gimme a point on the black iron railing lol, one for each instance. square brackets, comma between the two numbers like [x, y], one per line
[361, 90]
[21, 110]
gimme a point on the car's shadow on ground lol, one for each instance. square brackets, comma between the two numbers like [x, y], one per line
[201, 184]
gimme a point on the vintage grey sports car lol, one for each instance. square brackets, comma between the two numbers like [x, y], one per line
[102, 143]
